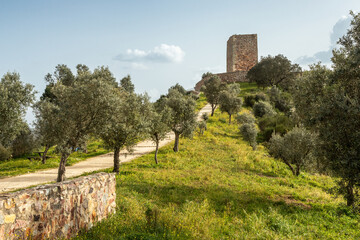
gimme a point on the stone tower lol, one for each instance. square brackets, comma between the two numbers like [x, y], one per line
[242, 52]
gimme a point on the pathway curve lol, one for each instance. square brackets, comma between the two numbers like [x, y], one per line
[89, 165]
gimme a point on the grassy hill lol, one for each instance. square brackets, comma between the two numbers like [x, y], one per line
[217, 187]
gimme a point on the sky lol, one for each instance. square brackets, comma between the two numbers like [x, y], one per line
[161, 43]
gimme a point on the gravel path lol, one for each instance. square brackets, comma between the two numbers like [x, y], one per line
[89, 165]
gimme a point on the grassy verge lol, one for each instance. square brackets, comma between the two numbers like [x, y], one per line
[201, 102]
[248, 88]
[22, 165]
[216, 187]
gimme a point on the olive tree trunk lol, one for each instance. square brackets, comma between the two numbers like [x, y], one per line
[350, 196]
[213, 107]
[156, 151]
[229, 119]
[291, 167]
[176, 145]
[43, 161]
[116, 160]
[62, 167]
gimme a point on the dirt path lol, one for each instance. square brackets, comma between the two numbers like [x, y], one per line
[89, 165]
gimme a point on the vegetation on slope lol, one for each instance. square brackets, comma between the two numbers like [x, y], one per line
[217, 187]
[23, 165]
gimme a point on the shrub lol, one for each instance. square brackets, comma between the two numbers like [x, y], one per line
[23, 144]
[262, 108]
[261, 97]
[202, 127]
[4, 153]
[205, 117]
[249, 100]
[294, 148]
[279, 124]
[245, 118]
[281, 100]
[249, 133]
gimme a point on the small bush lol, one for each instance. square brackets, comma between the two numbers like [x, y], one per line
[245, 118]
[261, 97]
[281, 100]
[202, 127]
[295, 148]
[4, 153]
[249, 133]
[262, 108]
[249, 101]
[205, 117]
[279, 124]
[23, 144]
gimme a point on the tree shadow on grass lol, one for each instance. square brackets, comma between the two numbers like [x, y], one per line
[220, 198]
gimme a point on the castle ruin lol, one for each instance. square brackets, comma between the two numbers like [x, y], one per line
[241, 56]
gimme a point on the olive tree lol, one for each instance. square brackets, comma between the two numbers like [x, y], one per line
[229, 100]
[332, 100]
[295, 148]
[261, 109]
[127, 124]
[245, 118]
[45, 126]
[212, 88]
[81, 106]
[126, 84]
[274, 71]
[183, 117]
[158, 125]
[249, 133]
[15, 98]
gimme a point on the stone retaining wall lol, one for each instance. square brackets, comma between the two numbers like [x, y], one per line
[57, 210]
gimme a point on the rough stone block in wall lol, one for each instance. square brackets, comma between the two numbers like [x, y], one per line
[57, 210]
[242, 52]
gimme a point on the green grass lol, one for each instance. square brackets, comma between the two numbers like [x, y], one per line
[248, 88]
[216, 187]
[201, 102]
[22, 165]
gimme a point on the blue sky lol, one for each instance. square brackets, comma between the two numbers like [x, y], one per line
[160, 43]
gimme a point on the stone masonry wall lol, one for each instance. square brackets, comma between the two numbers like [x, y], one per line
[230, 77]
[242, 52]
[57, 210]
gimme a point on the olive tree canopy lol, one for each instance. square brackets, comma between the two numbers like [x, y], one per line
[212, 88]
[229, 100]
[183, 116]
[80, 105]
[15, 97]
[271, 71]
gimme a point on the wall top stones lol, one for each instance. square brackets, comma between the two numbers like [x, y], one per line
[57, 210]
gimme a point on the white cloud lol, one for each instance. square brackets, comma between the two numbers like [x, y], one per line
[164, 54]
[339, 30]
